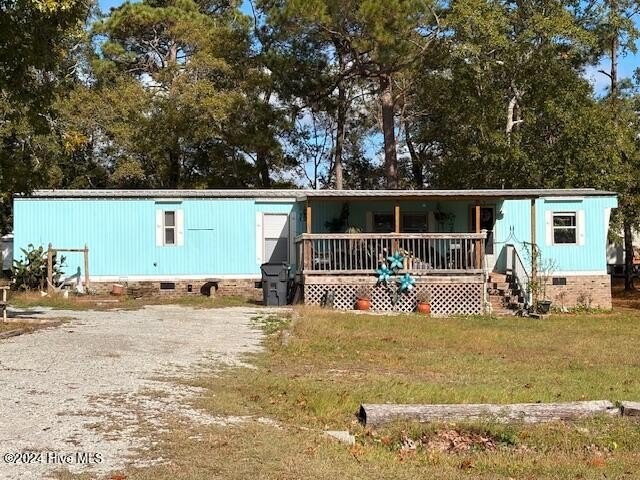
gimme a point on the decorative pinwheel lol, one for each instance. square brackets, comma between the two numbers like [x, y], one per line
[396, 261]
[384, 274]
[405, 283]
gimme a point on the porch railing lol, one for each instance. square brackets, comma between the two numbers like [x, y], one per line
[518, 273]
[362, 253]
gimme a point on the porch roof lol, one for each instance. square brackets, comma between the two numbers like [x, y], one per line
[304, 194]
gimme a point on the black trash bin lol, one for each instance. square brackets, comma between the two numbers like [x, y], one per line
[275, 281]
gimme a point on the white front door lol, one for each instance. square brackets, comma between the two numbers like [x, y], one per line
[275, 238]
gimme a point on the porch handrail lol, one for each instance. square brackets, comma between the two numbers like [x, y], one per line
[357, 236]
[518, 272]
[362, 253]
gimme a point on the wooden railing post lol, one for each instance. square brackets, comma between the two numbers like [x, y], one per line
[482, 244]
[478, 242]
[306, 254]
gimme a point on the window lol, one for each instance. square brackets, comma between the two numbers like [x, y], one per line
[565, 228]
[169, 227]
[276, 238]
[414, 222]
[383, 222]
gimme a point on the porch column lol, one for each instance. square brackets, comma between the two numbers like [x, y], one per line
[396, 230]
[478, 253]
[306, 244]
[534, 252]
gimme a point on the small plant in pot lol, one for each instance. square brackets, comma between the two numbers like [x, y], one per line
[544, 269]
[363, 298]
[424, 303]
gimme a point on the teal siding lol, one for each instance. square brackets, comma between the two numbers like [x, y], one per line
[513, 226]
[219, 234]
[592, 256]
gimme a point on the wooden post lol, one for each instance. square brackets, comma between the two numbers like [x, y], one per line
[306, 253]
[86, 266]
[397, 216]
[396, 230]
[533, 221]
[50, 269]
[4, 304]
[478, 253]
[308, 216]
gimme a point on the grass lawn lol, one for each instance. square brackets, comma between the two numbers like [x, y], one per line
[107, 302]
[319, 366]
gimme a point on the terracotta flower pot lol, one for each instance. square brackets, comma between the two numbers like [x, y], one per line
[424, 308]
[363, 304]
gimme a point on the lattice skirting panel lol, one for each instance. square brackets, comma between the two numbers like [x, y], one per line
[450, 297]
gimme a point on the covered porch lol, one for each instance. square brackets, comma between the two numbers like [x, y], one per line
[446, 244]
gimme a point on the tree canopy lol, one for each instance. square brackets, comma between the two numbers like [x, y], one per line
[320, 93]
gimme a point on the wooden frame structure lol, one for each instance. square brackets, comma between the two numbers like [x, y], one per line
[51, 252]
[3, 303]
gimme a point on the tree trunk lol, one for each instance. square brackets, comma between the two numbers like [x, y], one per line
[513, 112]
[174, 170]
[262, 163]
[615, 40]
[628, 255]
[374, 415]
[341, 120]
[417, 163]
[388, 131]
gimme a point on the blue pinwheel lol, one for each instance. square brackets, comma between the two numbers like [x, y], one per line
[406, 283]
[384, 274]
[396, 261]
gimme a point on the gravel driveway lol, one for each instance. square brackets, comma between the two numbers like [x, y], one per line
[88, 385]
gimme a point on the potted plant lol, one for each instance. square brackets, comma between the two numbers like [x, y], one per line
[363, 298]
[424, 303]
[543, 272]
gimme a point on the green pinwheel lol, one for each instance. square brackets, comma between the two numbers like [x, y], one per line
[405, 283]
[396, 261]
[384, 274]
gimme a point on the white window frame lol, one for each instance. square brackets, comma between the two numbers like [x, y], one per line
[166, 227]
[161, 226]
[575, 227]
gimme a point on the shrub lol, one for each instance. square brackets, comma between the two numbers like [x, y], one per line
[30, 272]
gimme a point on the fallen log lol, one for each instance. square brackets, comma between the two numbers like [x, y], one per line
[379, 414]
[630, 409]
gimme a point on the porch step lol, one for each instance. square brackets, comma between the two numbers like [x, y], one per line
[504, 297]
[504, 286]
[497, 277]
